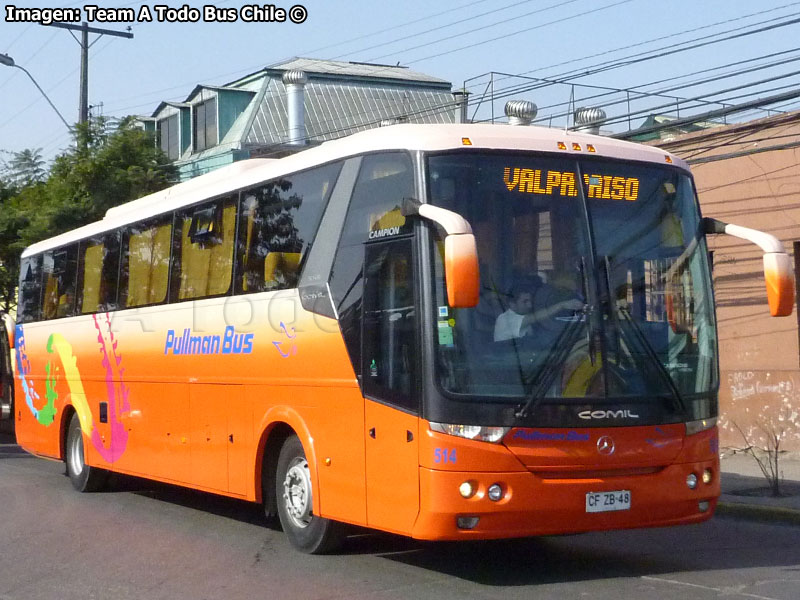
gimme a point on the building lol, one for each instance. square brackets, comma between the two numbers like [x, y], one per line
[749, 174]
[288, 106]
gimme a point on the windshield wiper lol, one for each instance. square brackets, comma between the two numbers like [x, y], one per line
[618, 307]
[556, 357]
[678, 401]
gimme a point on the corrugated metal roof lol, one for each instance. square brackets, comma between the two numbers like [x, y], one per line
[354, 69]
[165, 104]
[333, 110]
[216, 88]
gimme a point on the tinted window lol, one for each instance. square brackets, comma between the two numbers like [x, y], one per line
[203, 262]
[383, 181]
[144, 276]
[278, 222]
[389, 323]
[98, 271]
[59, 278]
[30, 289]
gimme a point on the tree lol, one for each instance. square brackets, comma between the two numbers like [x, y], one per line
[9, 237]
[107, 167]
[105, 170]
[27, 167]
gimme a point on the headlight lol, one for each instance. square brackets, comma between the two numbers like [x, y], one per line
[495, 492]
[466, 489]
[693, 427]
[472, 432]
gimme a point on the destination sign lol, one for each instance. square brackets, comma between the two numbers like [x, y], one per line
[546, 183]
[610, 187]
[536, 181]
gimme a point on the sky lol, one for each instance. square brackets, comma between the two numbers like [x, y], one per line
[455, 40]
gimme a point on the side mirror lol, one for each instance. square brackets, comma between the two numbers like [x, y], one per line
[461, 269]
[779, 277]
[778, 269]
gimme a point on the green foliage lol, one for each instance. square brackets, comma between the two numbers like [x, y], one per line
[27, 167]
[106, 167]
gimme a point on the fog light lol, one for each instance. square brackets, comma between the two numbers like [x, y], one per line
[466, 489]
[707, 476]
[495, 492]
[691, 481]
[702, 506]
[467, 522]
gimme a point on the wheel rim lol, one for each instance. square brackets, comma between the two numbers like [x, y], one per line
[76, 453]
[297, 492]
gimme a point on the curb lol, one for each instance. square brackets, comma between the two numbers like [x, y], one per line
[757, 512]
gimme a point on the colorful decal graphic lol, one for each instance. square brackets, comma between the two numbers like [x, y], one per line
[116, 390]
[47, 413]
[290, 347]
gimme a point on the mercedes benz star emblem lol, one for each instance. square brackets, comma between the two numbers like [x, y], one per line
[605, 446]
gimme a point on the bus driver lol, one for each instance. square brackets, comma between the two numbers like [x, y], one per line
[518, 320]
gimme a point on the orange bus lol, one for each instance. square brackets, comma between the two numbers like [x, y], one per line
[449, 332]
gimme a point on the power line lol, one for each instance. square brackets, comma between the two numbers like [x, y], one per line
[709, 115]
[440, 27]
[662, 52]
[695, 83]
[481, 28]
[658, 39]
[514, 33]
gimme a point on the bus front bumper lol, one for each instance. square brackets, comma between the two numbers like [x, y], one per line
[534, 504]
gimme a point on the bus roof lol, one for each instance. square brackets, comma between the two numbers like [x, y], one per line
[410, 137]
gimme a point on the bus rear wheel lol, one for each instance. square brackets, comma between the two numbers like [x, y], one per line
[83, 477]
[293, 490]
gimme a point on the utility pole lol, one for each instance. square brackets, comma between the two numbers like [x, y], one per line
[83, 103]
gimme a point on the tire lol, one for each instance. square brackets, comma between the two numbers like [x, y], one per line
[306, 532]
[83, 477]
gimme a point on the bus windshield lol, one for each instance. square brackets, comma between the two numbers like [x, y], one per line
[595, 284]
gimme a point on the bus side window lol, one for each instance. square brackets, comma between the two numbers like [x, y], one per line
[98, 270]
[390, 319]
[203, 253]
[278, 221]
[60, 272]
[30, 289]
[374, 213]
[144, 275]
[383, 181]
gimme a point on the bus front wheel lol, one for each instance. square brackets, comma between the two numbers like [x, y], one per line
[293, 490]
[83, 477]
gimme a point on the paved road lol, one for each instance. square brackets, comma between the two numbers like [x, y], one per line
[147, 541]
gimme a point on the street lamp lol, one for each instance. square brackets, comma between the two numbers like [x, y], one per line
[6, 60]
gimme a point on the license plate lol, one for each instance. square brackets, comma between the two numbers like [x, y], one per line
[608, 501]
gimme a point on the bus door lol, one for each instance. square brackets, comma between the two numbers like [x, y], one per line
[390, 385]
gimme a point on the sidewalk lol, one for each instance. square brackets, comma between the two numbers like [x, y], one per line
[745, 493]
